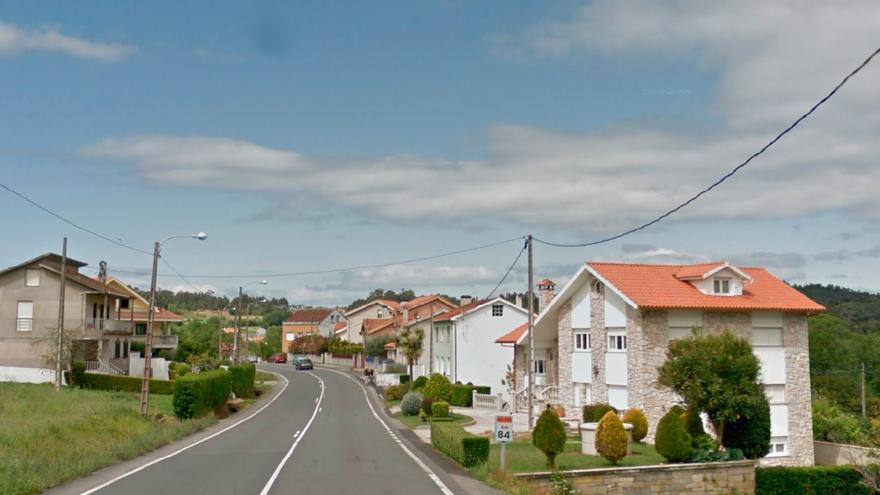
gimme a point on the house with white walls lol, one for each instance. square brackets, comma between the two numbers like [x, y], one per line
[603, 337]
[463, 346]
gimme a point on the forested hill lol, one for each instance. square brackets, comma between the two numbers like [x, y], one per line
[860, 309]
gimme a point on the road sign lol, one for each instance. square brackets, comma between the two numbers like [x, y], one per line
[503, 429]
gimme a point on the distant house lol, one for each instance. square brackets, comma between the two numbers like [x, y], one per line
[604, 336]
[29, 304]
[341, 330]
[136, 308]
[315, 321]
[380, 309]
[407, 313]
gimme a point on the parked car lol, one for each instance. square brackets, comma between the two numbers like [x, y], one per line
[278, 358]
[253, 359]
[303, 363]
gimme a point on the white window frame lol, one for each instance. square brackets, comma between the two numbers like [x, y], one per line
[540, 365]
[775, 444]
[781, 337]
[582, 341]
[617, 342]
[499, 308]
[721, 286]
[28, 277]
[24, 324]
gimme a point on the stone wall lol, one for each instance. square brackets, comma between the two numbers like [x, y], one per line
[564, 348]
[797, 393]
[672, 479]
[840, 454]
[599, 340]
[740, 324]
[648, 338]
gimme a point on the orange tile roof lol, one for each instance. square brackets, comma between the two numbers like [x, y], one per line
[512, 336]
[388, 302]
[316, 315]
[341, 324]
[546, 281]
[697, 271]
[391, 345]
[159, 315]
[373, 325]
[448, 315]
[657, 287]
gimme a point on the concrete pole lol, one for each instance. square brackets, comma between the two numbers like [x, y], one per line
[531, 361]
[148, 344]
[59, 367]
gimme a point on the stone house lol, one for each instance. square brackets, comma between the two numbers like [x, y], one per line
[604, 336]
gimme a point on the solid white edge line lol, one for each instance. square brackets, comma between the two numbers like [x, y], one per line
[160, 459]
[431, 474]
[281, 464]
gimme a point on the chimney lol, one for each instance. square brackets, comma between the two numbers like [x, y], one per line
[405, 307]
[546, 292]
[465, 300]
[519, 300]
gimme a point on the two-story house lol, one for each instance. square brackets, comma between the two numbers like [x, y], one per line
[604, 336]
[380, 309]
[136, 310]
[311, 321]
[29, 303]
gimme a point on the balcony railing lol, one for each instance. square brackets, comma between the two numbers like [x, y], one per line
[108, 326]
[159, 340]
[24, 324]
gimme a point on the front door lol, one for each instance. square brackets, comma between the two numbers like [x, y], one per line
[540, 366]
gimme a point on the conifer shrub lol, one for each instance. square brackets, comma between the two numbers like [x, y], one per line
[637, 418]
[611, 438]
[672, 440]
[693, 423]
[751, 432]
[438, 388]
[411, 404]
[595, 412]
[549, 436]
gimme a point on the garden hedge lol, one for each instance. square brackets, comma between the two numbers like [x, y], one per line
[197, 394]
[595, 412]
[116, 383]
[440, 409]
[814, 480]
[462, 395]
[420, 382]
[241, 379]
[463, 447]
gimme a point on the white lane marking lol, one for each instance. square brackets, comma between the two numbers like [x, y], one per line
[224, 430]
[436, 479]
[277, 471]
[296, 434]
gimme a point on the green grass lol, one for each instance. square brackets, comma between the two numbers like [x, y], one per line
[523, 457]
[47, 438]
[265, 376]
[414, 421]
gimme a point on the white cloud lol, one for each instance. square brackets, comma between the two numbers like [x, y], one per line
[773, 62]
[416, 277]
[14, 39]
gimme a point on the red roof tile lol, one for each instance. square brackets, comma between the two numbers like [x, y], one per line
[698, 271]
[159, 315]
[657, 287]
[316, 315]
[341, 324]
[448, 315]
[373, 325]
[546, 281]
[512, 336]
[391, 345]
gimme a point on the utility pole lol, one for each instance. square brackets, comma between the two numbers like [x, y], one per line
[148, 344]
[531, 363]
[430, 344]
[235, 343]
[864, 414]
[60, 357]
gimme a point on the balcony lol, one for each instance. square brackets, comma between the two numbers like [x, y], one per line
[159, 341]
[103, 325]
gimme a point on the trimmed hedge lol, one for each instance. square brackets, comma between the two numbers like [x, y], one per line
[439, 409]
[198, 394]
[462, 395]
[404, 379]
[815, 480]
[636, 418]
[420, 382]
[611, 441]
[77, 374]
[483, 389]
[241, 378]
[96, 381]
[595, 412]
[672, 440]
[463, 447]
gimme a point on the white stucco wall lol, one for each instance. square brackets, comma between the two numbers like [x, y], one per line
[615, 310]
[26, 375]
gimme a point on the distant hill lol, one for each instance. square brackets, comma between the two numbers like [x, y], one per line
[860, 309]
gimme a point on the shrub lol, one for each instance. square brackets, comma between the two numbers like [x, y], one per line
[241, 378]
[398, 368]
[392, 393]
[833, 424]
[751, 432]
[420, 382]
[423, 415]
[672, 441]
[611, 438]
[465, 448]
[549, 436]
[177, 370]
[595, 412]
[440, 410]
[403, 379]
[438, 388]
[814, 480]
[427, 403]
[197, 394]
[96, 381]
[483, 389]
[707, 449]
[411, 404]
[693, 423]
[462, 395]
[636, 418]
[77, 374]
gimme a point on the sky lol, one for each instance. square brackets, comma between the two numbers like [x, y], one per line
[308, 136]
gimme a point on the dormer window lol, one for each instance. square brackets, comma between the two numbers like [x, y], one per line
[722, 286]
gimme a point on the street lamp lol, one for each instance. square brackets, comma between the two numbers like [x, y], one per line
[235, 344]
[148, 344]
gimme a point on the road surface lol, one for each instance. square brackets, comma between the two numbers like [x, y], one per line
[319, 436]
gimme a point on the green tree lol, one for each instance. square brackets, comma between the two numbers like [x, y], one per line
[717, 374]
[375, 346]
[549, 436]
[410, 341]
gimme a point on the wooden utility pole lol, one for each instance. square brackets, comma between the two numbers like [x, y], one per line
[531, 362]
[148, 344]
[864, 412]
[235, 342]
[59, 360]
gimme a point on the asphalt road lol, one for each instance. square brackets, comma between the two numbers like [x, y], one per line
[318, 436]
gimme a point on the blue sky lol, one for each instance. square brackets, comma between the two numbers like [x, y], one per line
[308, 136]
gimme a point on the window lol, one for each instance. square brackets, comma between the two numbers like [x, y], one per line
[140, 329]
[379, 313]
[25, 317]
[778, 447]
[775, 393]
[766, 337]
[124, 303]
[117, 349]
[582, 341]
[497, 310]
[125, 348]
[617, 343]
[722, 286]
[540, 366]
[32, 278]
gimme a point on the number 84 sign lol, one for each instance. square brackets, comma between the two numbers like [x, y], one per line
[503, 429]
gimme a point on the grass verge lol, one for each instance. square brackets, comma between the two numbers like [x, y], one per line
[412, 422]
[48, 438]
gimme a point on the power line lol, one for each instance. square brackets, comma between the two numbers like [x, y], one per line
[727, 175]
[72, 223]
[510, 269]
[181, 277]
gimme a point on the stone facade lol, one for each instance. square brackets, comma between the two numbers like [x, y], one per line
[673, 479]
[599, 338]
[565, 346]
[648, 340]
[797, 392]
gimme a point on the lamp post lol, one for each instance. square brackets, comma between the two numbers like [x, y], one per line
[235, 344]
[247, 330]
[148, 344]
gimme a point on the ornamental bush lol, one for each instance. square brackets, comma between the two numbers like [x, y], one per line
[427, 403]
[440, 410]
[392, 392]
[636, 418]
[693, 423]
[411, 404]
[595, 412]
[77, 374]
[611, 437]
[197, 394]
[420, 382]
[438, 388]
[751, 432]
[672, 440]
[549, 436]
